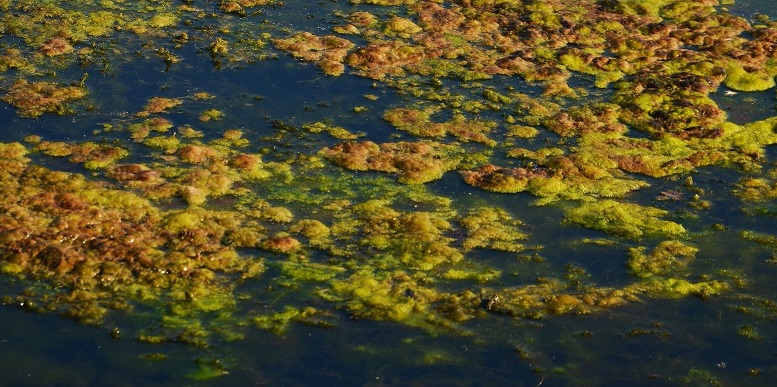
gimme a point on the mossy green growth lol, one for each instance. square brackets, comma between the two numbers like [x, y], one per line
[737, 78]
[169, 144]
[92, 155]
[418, 122]
[552, 297]
[13, 151]
[494, 96]
[211, 115]
[677, 287]
[698, 376]
[669, 258]
[666, 156]
[744, 144]
[401, 27]
[492, 228]
[589, 118]
[337, 132]
[759, 237]
[749, 332]
[392, 296]
[522, 131]
[414, 240]
[317, 232]
[483, 275]
[163, 19]
[581, 62]
[627, 219]
[757, 189]
[279, 322]
[310, 271]
[230, 139]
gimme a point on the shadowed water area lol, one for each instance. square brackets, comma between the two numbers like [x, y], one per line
[388, 192]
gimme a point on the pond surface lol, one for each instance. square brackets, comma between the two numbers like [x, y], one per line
[388, 192]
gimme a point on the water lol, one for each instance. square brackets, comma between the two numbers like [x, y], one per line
[690, 340]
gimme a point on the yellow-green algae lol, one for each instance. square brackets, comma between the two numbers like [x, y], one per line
[419, 123]
[108, 249]
[626, 219]
[493, 228]
[663, 59]
[92, 155]
[669, 258]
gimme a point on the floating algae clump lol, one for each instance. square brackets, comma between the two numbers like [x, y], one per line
[669, 258]
[552, 297]
[337, 132]
[398, 239]
[104, 249]
[627, 219]
[392, 296]
[418, 122]
[171, 231]
[493, 228]
[500, 179]
[92, 155]
[159, 105]
[737, 78]
[33, 99]
[278, 322]
[413, 162]
[328, 51]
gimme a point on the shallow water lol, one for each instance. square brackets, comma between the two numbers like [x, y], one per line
[685, 340]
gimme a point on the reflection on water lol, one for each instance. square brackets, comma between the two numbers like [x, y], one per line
[267, 260]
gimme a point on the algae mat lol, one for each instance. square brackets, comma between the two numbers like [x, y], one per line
[388, 192]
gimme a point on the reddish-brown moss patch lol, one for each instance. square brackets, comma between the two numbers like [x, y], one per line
[328, 51]
[36, 98]
[500, 179]
[412, 162]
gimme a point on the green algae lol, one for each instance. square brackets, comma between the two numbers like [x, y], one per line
[403, 239]
[385, 296]
[384, 247]
[337, 132]
[669, 258]
[211, 115]
[737, 78]
[676, 287]
[419, 123]
[207, 370]
[278, 322]
[93, 156]
[310, 271]
[492, 228]
[626, 219]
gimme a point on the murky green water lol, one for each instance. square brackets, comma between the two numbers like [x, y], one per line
[228, 282]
